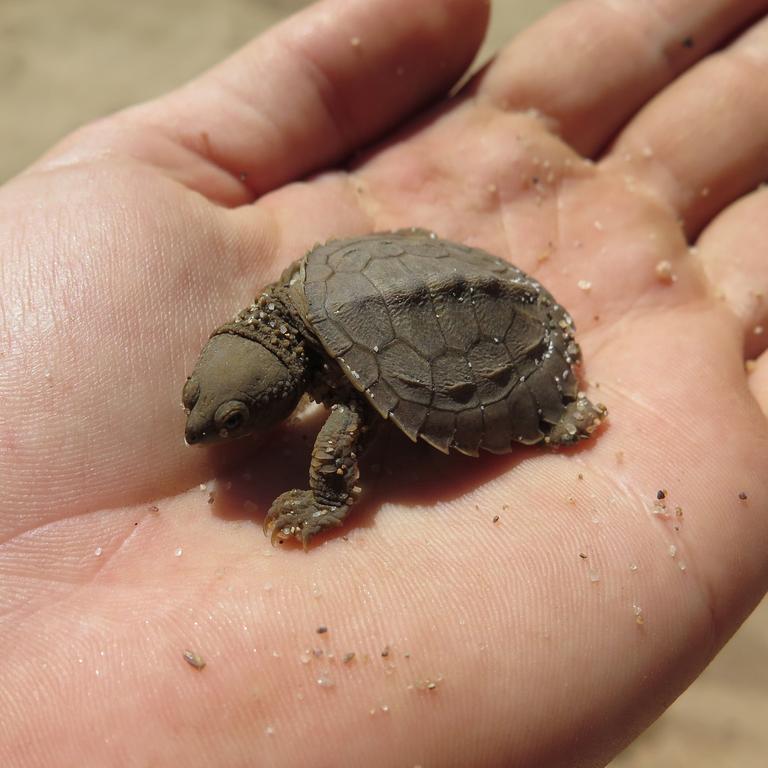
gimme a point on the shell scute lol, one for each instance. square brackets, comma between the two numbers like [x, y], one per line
[490, 362]
[334, 339]
[469, 431]
[409, 417]
[382, 397]
[523, 415]
[496, 436]
[526, 339]
[317, 272]
[353, 259]
[361, 366]
[413, 319]
[455, 387]
[409, 374]
[438, 429]
[495, 303]
[454, 311]
[369, 328]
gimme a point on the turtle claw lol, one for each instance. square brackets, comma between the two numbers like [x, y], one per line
[296, 514]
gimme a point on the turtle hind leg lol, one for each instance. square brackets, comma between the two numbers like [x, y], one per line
[579, 420]
[333, 475]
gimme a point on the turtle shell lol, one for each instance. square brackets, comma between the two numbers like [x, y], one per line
[452, 344]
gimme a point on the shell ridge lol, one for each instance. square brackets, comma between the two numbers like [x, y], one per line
[433, 392]
[431, 298]
[377, 290]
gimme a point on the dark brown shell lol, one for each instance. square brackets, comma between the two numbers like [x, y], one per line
[452, 344]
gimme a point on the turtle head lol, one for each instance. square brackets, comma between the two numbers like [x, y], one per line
[238, 387]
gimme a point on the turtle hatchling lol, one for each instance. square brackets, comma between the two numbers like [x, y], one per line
[448, 343]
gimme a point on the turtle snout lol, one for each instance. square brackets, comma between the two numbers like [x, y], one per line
[191, 435]
[194, 432]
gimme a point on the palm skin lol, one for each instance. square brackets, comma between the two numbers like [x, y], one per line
[119, 263]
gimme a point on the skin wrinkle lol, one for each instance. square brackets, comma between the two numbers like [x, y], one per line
[29, 611]
[181, 162]
[704, 588]
[557, 195]
[579, 37]
[76, 351]
[697, 269]
[726, 272]
[309, 67]
[367, 205]
[263, 122]
[630, 491]
[201, 146]
[724, 69]
[334, 118]
[642, 184]
[185, 143]
[94, 144]
[614, 108]
[8, 536]
[552, 198]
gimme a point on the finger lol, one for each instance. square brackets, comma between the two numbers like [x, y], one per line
[589, 66]
[704, 141]
[306, 93]
[732, 252]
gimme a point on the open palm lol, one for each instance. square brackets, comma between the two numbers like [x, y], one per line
[614, 571]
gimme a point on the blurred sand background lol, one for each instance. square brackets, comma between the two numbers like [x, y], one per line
[63, 62]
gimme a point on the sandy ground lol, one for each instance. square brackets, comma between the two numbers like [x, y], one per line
[63, 62]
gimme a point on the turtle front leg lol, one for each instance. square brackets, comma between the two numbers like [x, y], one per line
[332, 477]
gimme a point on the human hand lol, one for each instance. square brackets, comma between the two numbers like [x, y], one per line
[129, 242]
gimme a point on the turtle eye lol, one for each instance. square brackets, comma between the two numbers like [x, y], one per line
[231, 416]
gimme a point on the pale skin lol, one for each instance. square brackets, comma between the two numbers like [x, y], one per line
[126, 244]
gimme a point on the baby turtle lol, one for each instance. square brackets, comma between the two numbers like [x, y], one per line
[449, 343]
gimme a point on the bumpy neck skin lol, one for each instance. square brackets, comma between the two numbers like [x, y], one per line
[270, 322]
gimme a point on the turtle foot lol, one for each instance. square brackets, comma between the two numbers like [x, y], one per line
[580, 419]
[297, 514]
